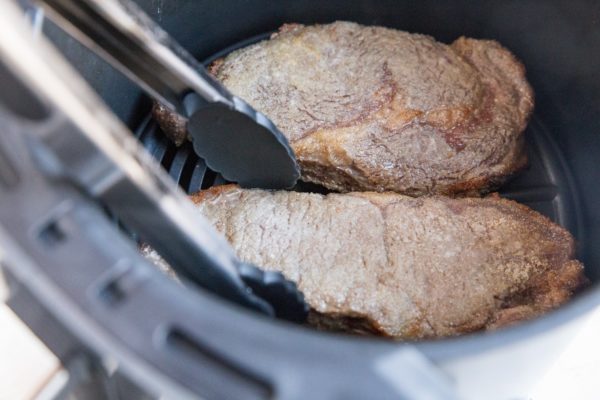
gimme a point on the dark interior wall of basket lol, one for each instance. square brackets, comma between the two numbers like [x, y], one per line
[558, 41]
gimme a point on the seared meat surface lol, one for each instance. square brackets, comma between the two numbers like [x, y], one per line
[372, 108]
[409, 268]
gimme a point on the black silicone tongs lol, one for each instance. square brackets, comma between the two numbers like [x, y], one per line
[80, 142]
[233, 138]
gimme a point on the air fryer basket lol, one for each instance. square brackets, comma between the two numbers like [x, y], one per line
[559, 43]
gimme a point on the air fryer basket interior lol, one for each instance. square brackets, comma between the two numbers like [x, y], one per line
[558, 42]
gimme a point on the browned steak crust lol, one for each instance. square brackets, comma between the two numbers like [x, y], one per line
[399, 266]
[371, 108]
[172, 124]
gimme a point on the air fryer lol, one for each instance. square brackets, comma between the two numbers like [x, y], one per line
[162, 340]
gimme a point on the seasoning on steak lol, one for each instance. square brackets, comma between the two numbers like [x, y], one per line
[404, 267]
[372, 108]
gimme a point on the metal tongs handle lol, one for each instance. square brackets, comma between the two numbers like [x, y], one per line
[140, 48]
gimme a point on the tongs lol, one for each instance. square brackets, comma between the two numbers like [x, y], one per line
[233, 138]
[83, 143]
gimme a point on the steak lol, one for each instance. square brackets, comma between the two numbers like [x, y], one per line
[405, 267]
[372, 108]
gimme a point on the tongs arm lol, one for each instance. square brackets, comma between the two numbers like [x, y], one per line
[139, 48]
